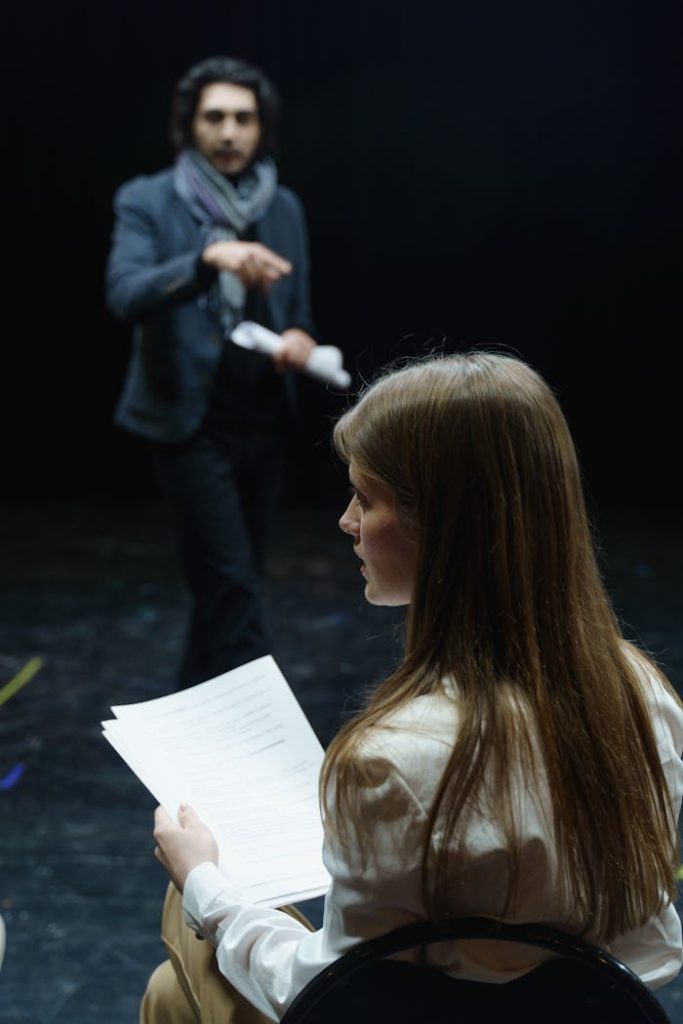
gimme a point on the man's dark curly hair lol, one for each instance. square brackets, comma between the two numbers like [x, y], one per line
[236, 72]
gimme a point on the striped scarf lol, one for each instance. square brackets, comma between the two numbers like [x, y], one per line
[225, 210]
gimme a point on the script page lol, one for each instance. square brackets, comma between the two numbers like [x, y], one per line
[241, 752]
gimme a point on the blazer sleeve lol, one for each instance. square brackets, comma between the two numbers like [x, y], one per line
[299, 312]
[139, 281]
[284, 229]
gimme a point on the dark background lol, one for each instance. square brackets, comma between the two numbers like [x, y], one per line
[474, 173]
[478, 172]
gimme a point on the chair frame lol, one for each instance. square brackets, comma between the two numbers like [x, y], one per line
[422, 933]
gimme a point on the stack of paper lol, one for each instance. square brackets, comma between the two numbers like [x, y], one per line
[240, 751]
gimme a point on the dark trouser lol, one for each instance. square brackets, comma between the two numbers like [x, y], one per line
[224, 491]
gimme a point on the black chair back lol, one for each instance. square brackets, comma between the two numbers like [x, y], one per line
[584, 984]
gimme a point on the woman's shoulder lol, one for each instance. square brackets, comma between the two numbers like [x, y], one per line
[429, 715]
[664, 705]
[415, 738]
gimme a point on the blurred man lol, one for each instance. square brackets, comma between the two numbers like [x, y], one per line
[196, 249]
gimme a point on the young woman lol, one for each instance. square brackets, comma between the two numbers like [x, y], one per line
[522, 761]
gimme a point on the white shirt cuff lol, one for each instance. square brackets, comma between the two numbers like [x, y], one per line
[207, 897]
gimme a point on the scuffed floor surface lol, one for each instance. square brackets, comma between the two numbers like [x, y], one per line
[94, 592]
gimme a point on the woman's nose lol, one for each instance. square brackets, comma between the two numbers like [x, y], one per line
[348, 523]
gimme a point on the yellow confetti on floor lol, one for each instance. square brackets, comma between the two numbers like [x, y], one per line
[24, 676]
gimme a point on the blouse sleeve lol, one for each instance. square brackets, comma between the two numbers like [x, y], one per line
[267, 955]
[655, 951]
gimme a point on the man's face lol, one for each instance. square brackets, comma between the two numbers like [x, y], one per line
[226, 127]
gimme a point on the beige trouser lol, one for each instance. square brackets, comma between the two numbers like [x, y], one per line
[188, 988]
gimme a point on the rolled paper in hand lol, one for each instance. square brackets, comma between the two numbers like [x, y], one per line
[324, 362]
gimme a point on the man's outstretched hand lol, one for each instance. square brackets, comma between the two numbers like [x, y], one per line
[256, 265]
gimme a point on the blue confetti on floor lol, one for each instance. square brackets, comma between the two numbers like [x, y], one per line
[13, 776]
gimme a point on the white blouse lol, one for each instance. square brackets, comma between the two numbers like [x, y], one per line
[269, 957]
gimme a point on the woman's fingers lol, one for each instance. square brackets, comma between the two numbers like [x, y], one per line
[187, 816]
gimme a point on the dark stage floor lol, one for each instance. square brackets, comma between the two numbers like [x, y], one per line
[94, 592]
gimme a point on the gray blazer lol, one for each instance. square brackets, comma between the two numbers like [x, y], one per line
[156, 281]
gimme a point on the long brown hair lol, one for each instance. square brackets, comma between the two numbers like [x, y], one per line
[509, 603]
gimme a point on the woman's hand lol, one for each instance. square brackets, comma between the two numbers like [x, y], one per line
[181, 847]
